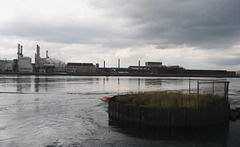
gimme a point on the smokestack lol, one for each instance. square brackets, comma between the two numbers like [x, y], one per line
[21, 51]
[18, 51]
[47, 54]
[35, 58]
[103, 64]
[38, 55]
[139, 64]
[18, 48]
[118, 63]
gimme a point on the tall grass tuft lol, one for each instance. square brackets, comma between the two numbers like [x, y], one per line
[172, 100]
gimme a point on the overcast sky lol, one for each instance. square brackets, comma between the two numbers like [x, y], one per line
[195, 34]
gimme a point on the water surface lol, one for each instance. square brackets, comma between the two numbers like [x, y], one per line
[68, 111]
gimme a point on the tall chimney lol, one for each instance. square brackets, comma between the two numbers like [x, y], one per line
[18, 52]
[47, 54]
[21, 51]
[38, 55]
[103, 64]
[139, 64]
[118, 63]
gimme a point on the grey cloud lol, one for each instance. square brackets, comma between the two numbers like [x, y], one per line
[206, 24]
[65, 34]
[164, 23]
[226, 62]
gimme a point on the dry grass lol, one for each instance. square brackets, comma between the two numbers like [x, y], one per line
[172, 100]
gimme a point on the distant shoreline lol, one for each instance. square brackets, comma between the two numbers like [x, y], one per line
[120, 75]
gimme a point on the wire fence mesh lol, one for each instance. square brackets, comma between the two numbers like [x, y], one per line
[216, 87]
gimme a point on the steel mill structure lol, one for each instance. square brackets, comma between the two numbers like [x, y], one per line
[24, 64]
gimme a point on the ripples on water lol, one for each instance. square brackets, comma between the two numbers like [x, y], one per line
[67, 111]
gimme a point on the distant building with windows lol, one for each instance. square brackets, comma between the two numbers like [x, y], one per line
[6, 65]
[153, 64]
[80, 68]
[25, 64]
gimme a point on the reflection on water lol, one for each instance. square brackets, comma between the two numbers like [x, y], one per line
[153, 82]
[67, 111]
[36, 84]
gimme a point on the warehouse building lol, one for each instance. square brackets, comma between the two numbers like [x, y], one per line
[25, 64]
[80, 68]
[6, 65]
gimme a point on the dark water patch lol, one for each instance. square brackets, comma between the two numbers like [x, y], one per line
[55, 144]
[2, 108]
[212, 135]
[75, 145]
[232, 94]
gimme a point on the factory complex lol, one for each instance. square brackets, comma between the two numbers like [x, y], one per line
[49, 65]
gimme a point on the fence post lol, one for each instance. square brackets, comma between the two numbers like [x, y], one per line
[198, 93]
[226, 85]
[189, 86]
[227, 89]
[213, 87]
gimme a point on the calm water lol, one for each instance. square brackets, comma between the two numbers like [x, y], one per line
[67, 111]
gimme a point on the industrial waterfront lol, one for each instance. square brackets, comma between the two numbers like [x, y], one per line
[47, 65]
[68, 111]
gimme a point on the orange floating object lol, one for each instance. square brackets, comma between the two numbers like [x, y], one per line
[106, 98]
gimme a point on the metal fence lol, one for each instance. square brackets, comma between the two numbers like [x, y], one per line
[216, 87]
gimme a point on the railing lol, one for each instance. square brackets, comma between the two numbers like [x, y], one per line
[216, 87]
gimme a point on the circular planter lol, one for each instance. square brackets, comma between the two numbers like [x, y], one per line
[168, 117]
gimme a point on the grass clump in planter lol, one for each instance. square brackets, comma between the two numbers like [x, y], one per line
[172, 100]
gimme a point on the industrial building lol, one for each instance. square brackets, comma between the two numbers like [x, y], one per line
[139, 69]
[153, 64]
[80, 68]
[159, 68]
[21, 64]
[142, 69]
[6, 65]
[24, 64]
[48, 64]
[182, 71]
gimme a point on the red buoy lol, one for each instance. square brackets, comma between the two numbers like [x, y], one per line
[106, 98]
